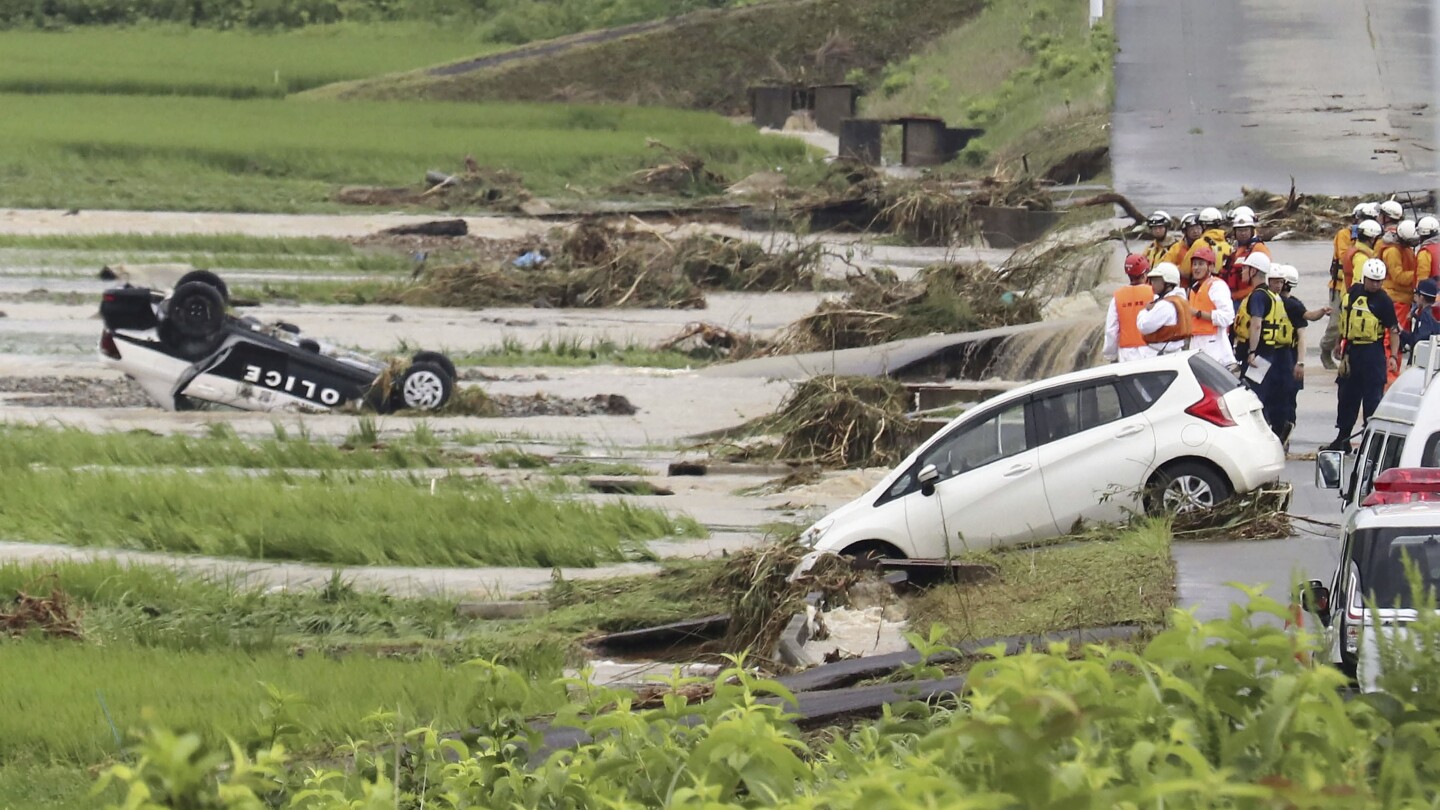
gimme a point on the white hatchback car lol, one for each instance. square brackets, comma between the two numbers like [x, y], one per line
[1173, 433]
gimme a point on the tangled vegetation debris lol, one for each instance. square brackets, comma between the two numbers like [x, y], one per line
[49, 615]
[762, 598]
[960, 297]
[497, 189]
[1315, 215]
[597, 264]
[835, 421]
[1259, 515]
[682, 174]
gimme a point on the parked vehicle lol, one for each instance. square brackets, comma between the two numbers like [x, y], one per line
[1399, 519]
[186, 352]
[1409, 410]
[1174, 433]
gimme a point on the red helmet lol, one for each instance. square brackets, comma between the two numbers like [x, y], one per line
[1205, 253]
[1136, 265]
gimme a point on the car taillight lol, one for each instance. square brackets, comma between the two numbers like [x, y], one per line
[1404, 485]
[1211, 408]
[107, 345]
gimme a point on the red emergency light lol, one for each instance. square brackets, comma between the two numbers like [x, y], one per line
[1405, 485]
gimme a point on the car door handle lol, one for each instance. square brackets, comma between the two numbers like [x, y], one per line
[1016, 470]
[1129, 431]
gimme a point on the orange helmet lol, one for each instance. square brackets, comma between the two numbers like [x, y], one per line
[1136, 265]
[1205, 253]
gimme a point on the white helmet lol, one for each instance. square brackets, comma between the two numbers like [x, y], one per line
[1210, 217]
[1428, 227]
[1167, 271]
[1243, 219]
[1392, 209]
[1257, 260]
[1407, 231]
[1370, 229]
[1374, 269]
[1242, 209]
[1157, 219]
[1289, 272]
[1358, 211]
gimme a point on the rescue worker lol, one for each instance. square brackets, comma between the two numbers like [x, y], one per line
[1123, 341]
[1396, 250]
[1391, 212]
[1212, 307]
[1270, 351]
[1344, 240]
[1367, 239]
[1190, 232]
[1213, 237]
[1427, 253]
[1247, 241]
[1166, 322]
[1159, 247]
[1300, 317]
[1423, 324]
[1367, 316]
[1252, 273]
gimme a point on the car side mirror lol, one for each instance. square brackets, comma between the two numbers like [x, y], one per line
[927, 478]
[1314, 597]
[1329, 469]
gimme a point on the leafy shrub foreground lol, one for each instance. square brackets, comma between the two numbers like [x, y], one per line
[1217, 714]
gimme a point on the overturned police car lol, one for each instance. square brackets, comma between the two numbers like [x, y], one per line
[184, 349]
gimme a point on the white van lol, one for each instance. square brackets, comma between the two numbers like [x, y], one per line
[1404, 431]
[1173, 433]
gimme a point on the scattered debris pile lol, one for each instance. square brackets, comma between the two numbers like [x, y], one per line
[50, 615]
[497, 189]
[944, 298]
[1259, 515]
[597, 264]
[718, 341]
[762, 598]
[1316, 215]
[929, 211]
[836, 421]
[680, 174]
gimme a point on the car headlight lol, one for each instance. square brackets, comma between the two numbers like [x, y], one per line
[812, 535]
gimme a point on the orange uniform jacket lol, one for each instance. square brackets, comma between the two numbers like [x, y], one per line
[1427, 261]
[1344, 240]
[1235, 278]
[1129, 300]
[1400, 271]
[1354, 260]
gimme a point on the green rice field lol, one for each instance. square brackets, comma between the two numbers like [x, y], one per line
[208, 154]
[231, 64]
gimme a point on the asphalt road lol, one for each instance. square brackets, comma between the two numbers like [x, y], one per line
[1215, 95]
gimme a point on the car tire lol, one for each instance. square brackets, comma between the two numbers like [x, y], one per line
[1186, 487]
[423, 387]
[186, 348]
[438, 359]
[196, 310]
[206, 277]
[866, 555]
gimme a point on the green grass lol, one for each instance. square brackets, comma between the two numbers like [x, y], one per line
[1030, 72]
[53, 690]
[1110, 578]
[50, 787]
[181, 60]
[67, 448]
[207, 154]
[327, 518]
[575, 351]
[207, 243]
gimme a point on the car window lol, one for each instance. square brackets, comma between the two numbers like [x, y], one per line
[974, 445]
[1212, 375]
[1069, 412]
[1380, 453]
[1144, 390]
[1379, 555]
[1431, 456]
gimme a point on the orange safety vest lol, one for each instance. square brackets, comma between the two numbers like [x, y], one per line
[1200, 302]
[1427, 261]
[1234, 274]
[1400, 280]
[1183, 327]
[1355, 258]
[1129, 301]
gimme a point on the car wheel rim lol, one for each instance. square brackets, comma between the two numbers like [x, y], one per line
[1189, 493]
[424, 390]
[196, 312]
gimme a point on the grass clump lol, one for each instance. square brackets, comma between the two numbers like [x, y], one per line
[1112, 575]
[329, 518]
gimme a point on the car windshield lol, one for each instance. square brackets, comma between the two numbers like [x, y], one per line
[1380, 555]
